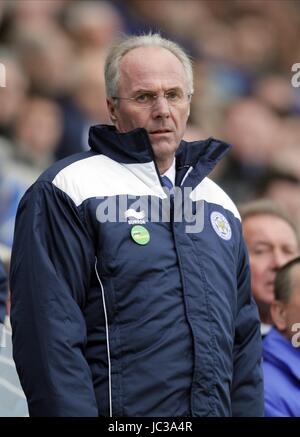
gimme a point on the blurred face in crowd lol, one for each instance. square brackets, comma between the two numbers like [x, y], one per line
[146, 71]
[287, 314]
[271, 243]
[13, 94]
[38, 127]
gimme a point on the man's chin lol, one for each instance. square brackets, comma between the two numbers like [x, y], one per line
[163, 148]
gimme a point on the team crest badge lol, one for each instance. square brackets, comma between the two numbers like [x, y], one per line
[220, 224]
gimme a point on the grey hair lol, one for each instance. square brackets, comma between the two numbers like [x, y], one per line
[268, 207]
[127, 43]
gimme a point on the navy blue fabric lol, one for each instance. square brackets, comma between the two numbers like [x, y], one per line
[166, 182]
[3, 292]
[105, 139]
[183, 330]
[281, 367]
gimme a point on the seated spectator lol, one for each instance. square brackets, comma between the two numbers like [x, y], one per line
[250, 126]
[272, 241]
[281, 348]
[37, 130]
[284, 188]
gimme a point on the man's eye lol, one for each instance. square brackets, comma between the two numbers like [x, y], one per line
[144, 98]
[173, 95]
[261, 251]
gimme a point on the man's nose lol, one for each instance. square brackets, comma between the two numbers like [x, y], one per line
[161, 107]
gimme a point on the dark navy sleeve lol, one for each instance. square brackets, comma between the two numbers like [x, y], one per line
[247, 384]
[3, 293]
[51, 264]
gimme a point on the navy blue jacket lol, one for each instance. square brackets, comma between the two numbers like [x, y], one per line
[103, 325]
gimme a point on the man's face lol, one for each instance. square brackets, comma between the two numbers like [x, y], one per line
[152, 69]
[271, 243]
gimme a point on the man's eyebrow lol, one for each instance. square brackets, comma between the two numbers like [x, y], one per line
[144, 90]
[261, 243]
[270, 244]
[147, 90]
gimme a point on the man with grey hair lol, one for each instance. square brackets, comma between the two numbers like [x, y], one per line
[119, 309]
[272, 240]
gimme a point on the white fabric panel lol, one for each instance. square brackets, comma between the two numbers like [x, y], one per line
[210, 192]
[99, 176]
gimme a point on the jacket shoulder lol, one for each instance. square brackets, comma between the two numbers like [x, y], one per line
[211, 192]
[50, 174]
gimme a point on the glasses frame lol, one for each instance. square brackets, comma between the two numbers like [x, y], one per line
[155, 97]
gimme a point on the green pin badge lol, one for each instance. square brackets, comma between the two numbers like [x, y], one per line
[140, 235]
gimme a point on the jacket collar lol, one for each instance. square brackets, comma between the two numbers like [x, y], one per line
[134, 147]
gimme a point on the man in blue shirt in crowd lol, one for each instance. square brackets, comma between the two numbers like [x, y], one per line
[281, 347]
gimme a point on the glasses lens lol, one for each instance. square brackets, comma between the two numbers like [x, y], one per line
[148, 99]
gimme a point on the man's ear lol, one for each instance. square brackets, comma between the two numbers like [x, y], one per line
[111, 110]
[189, 110]
[278, 314]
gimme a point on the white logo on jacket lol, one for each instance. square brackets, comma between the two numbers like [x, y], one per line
[221, 225]
[135, 217]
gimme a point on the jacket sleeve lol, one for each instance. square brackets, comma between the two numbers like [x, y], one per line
[51, 264]
[3, 292]
[247, 384]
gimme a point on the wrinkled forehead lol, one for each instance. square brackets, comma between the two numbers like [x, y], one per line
[150, 66]
[269, 227]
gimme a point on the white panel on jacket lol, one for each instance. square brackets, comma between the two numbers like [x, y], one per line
[211, 192]
[99, 176]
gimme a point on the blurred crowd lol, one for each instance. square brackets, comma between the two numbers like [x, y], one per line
[243, 52]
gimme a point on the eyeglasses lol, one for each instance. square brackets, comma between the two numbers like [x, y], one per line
[148, 99]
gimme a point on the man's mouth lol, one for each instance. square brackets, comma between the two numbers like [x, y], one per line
[160, 131]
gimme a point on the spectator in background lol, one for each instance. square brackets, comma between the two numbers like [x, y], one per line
[37, 129]
[281, 348]
[250, 126]
[46, 57]
[13, 94]
[272, 240]
[93, 25]
[283, 188]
